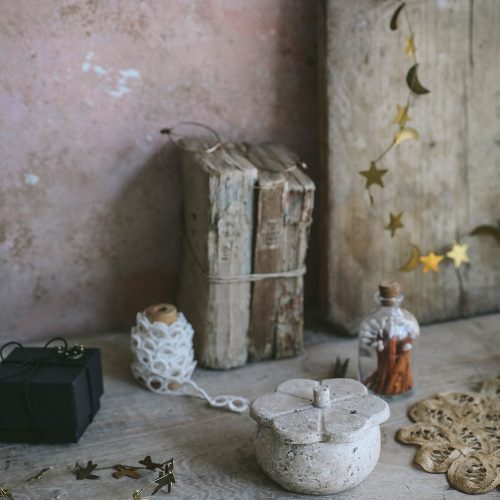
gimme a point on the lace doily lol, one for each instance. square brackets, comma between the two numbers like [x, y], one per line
[459, 434]
[163, 361]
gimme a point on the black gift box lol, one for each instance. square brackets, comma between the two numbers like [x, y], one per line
[47, 396]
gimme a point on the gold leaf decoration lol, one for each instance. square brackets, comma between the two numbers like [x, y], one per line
[413, 81]
[125, 471]
[394, 223]
[431, 262]
[149, 464]
[395, 17]
[458, 254]
[412, 263]
[165, 478]
[410, 47]
[405, 134]
[487, 230]
[402, 115]
[85, 472]
[373, 175]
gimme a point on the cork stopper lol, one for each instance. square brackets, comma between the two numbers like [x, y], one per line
[389, 290]
[164, 313]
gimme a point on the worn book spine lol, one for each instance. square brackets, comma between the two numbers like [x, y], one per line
[299, 200]
[276, 325]
[268, 255]
[218, 191]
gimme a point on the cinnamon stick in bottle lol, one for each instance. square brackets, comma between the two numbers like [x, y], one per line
[386, 344]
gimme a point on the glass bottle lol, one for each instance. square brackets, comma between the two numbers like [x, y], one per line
[387, 345]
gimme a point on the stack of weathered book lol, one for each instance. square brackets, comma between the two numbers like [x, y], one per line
[247, 213]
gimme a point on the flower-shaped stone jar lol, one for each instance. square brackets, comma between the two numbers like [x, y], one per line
[318, 437]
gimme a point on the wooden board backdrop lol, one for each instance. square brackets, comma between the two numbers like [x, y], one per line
[446, 183]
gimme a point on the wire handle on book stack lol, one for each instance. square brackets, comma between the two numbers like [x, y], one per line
[162, 347]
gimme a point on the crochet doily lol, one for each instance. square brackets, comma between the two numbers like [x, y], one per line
[459, 434]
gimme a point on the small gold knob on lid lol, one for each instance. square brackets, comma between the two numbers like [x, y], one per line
[164, 313]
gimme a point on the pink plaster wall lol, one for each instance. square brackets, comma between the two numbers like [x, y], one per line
[89, 192]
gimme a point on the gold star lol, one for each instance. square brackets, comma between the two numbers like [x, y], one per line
[394, 223]
[431, 262]
[458, 254]
[410, 47]
[402, 115]
[373, 175]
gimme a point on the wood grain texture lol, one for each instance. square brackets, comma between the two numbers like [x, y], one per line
[218, 190]
[446, 183]
[212, 449]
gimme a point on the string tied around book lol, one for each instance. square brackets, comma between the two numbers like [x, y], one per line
[239, 278]
[163, 357]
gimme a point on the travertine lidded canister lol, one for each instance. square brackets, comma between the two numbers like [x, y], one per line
[318, 437]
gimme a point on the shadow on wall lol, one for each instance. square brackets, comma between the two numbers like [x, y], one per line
[296, 75]
[144, 239]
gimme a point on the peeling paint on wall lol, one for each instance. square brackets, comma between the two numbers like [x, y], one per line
[31, 179]
[114, 82]
[122, 88]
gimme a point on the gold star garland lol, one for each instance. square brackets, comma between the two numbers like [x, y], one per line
[165, 477]
[457, 252]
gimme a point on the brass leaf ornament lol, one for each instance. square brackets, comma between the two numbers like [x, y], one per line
[394, 223]
[395, 17]
[85, 472]
[149, 464]
[165, 478]
[414, 83]
[125, 471]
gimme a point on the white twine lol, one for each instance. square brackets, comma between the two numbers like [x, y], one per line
[163, 361]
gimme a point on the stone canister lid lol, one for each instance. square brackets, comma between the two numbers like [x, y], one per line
[303, 411]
